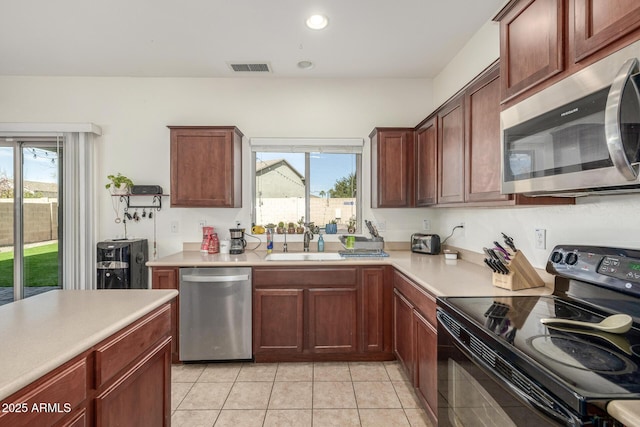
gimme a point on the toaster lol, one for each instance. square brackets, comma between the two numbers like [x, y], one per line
[425, 243]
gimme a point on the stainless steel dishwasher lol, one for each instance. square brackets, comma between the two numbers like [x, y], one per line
[215, 314]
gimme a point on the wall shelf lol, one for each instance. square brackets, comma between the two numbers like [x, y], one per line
[156, 200]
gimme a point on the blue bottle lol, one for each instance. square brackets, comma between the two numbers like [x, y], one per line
[320, 243]
[269, 241]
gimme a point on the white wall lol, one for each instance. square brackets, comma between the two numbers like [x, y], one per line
[134, 113]
[480, 52]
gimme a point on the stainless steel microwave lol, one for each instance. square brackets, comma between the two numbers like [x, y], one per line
[579, 136]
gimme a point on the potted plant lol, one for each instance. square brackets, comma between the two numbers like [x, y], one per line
[351, 228]
[332, 227]
[119, 184]
[280, 229]
[300, 227]
[292, 228]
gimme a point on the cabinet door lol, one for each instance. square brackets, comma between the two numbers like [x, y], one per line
[403, 332]
[167, 278]
[531, 40]
[376, 310]
[141, 396]
[277, 321]
[598, 23]
[451, 152]
[482, 148]
[333, 320]
[426, 169]
[391, 168]
[426, 366]
[206, 167]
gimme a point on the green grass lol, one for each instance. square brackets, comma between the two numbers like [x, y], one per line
[40, 266]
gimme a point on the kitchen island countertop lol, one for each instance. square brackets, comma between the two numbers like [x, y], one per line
[439, 276]
[42, 332]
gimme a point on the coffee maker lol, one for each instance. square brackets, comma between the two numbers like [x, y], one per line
[237, 241]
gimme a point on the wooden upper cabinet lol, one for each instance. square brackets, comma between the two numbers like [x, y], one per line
[531, 44]
[206, 168]
[391, 167]
[426, 163]
[451, 152]
[597, 23]
[482, 148]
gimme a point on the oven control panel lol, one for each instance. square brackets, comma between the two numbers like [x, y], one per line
[614, 268]
[622, 268]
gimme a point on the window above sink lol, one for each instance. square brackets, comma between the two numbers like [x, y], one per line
[307, 180]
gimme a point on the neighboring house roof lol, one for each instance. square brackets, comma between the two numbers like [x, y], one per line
[277, 178]
[264, 166]
[42, 187]
[46, 188]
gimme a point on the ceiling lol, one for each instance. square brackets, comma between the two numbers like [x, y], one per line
[198, 38]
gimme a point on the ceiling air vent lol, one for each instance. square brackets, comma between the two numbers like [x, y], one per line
[254, 67]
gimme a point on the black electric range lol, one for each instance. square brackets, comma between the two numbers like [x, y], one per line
[571, 371]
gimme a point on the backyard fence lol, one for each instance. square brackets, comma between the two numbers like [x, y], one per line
[40, 220]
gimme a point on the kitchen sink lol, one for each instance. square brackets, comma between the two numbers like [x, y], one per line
[304, 256]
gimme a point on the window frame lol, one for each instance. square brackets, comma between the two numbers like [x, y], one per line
[308, 146]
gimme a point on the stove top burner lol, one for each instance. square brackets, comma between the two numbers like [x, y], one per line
[581, 354]
[588, 362]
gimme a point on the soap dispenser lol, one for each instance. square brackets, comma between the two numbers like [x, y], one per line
[320, 243]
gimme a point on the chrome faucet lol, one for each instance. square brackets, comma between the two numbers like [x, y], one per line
[284, 247]
[308, 236]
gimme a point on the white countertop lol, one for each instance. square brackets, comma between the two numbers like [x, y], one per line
[439, 276]
[42, 332]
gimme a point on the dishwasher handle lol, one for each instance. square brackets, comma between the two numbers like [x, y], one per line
[215, 279]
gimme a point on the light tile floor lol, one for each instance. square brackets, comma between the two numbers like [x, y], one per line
[340, 394]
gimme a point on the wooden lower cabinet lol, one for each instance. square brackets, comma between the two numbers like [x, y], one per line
[403, 329]
[426, 361]
[377, 310]
[169, 278]
[307, 314]
[130, 386]
[333, 326]
[139, 396]
[416, 339]
[278, 322]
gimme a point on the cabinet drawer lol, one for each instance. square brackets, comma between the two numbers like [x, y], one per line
[50, 401]
[120, 351]
[305, 276]
[422, 301]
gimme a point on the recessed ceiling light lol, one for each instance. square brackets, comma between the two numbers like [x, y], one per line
[317, 22]
[305, 65]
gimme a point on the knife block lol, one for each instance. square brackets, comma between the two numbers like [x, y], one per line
[521, 275]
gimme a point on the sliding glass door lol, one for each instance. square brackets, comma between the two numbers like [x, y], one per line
[30, 217]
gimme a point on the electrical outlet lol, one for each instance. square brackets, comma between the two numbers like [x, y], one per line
[175, 226]
[202, 223]
[426, 224]
[541, 238]
[381, 225]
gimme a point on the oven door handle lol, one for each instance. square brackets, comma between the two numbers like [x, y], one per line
[612, 124]
[558, 413]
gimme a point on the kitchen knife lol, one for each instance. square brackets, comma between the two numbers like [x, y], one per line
[509, 242]
[503, 268]
[489, 253]
[488, 262]
[503, 250]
